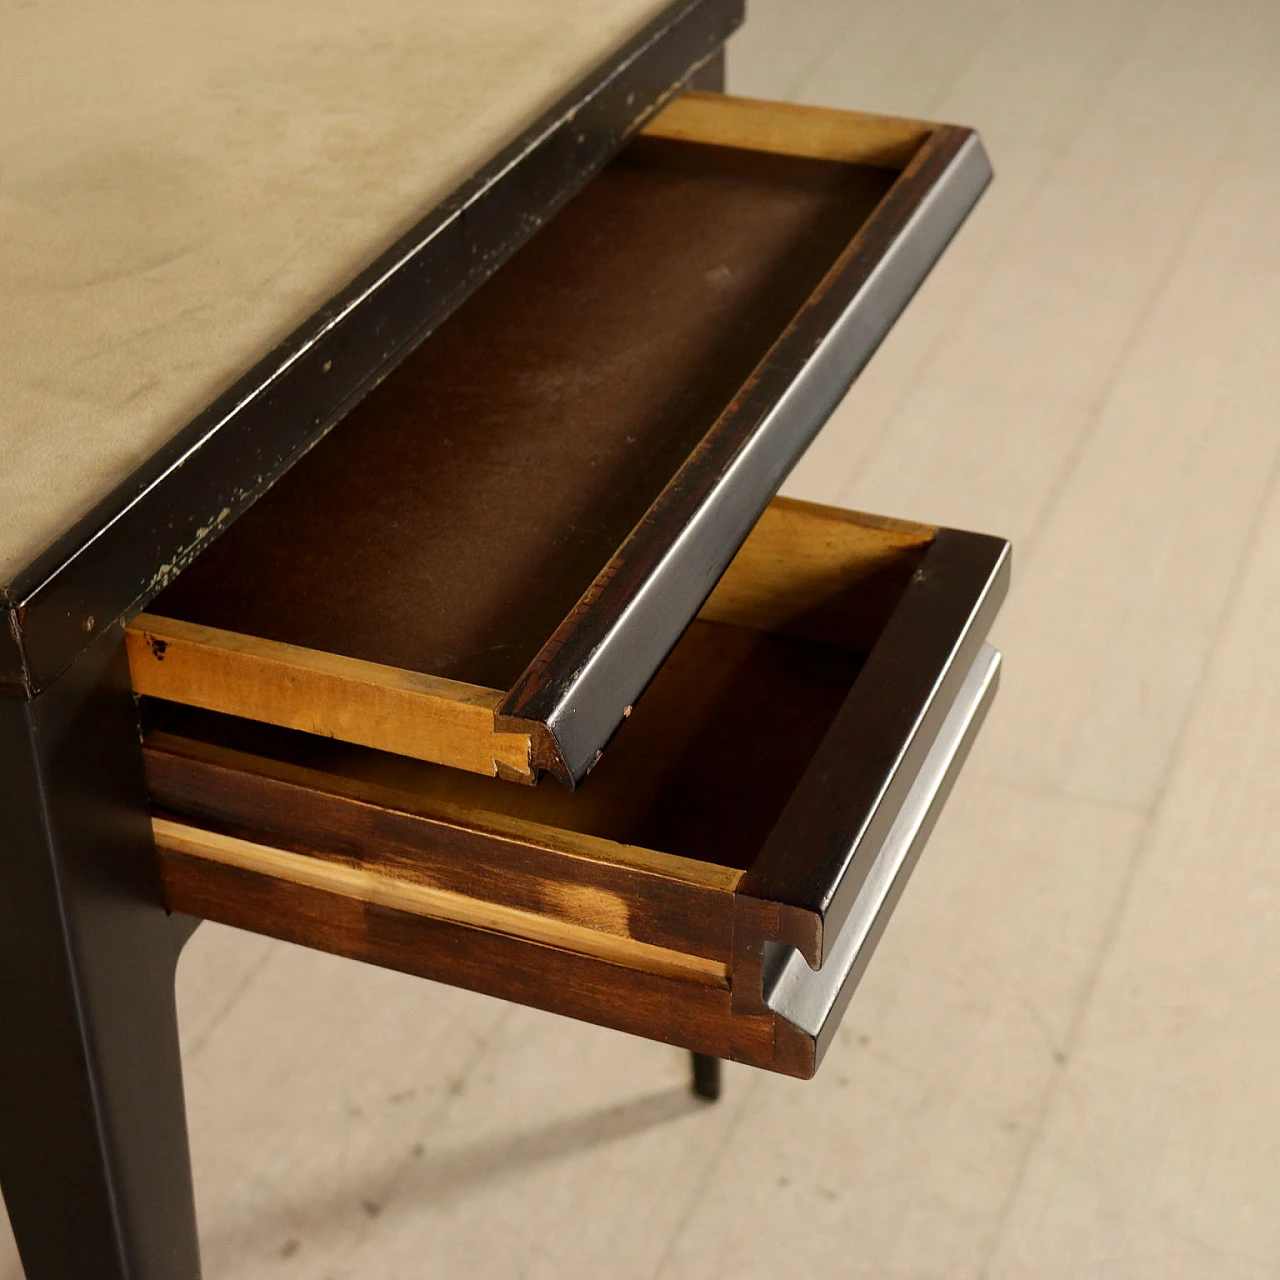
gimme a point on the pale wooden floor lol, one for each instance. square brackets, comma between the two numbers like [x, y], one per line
[1065, 1061]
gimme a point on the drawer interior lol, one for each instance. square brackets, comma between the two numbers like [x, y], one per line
[701, 769]
[457, 515]
[419, 580]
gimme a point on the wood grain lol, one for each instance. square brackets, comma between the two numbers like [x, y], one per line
[786, 753]
[669, 901]
[424, 716]
[417, 898]
[788, 128]
[691, 1014]
[820, 573]
[458, 514]
[552, 679]
[701, 768]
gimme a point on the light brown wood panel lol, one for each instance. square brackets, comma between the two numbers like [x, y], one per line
[424, 716]
[787, 128]
[819, 572]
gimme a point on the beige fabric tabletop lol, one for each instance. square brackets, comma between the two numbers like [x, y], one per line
[182, 185]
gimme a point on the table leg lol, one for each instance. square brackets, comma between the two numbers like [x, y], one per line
[93, 1142]
[706, 1076]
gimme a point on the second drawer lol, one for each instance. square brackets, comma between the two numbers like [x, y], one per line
[720, 880]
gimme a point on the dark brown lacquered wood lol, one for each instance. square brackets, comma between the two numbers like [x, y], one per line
[549, 677]
[855, 784]
[542, 496]
[482, 854]
[690, 1014]
[735, 809]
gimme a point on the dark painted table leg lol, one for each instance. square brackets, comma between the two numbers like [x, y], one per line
[93, 1140]
[706, 1077]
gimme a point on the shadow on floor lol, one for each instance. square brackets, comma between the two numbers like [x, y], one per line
[305, 1215]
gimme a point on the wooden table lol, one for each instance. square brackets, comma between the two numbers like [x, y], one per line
[215, 235]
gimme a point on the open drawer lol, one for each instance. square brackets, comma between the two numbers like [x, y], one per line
[722, 877]
[485, 563]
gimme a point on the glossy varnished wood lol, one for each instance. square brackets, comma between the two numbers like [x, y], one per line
[692, 1014]
[599, 929]
[816, 857]
[583, 879]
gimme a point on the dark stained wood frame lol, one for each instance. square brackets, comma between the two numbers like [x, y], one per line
[817, 855]
[666, 947]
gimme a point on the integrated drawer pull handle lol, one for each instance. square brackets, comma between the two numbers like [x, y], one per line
[814, 1001]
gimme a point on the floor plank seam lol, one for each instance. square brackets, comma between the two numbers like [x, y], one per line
[200, 1040]
[1048, 791]
[1141, 322]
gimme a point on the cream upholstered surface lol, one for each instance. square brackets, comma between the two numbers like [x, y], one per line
[182, 185]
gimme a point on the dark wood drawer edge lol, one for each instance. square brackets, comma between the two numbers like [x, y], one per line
[694, 1015]
[817, 857]
[499, 862]
[657, 582]
[814, 1002]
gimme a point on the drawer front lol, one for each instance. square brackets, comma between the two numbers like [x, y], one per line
[487, 562]
[720, 881]
[813, 1001]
